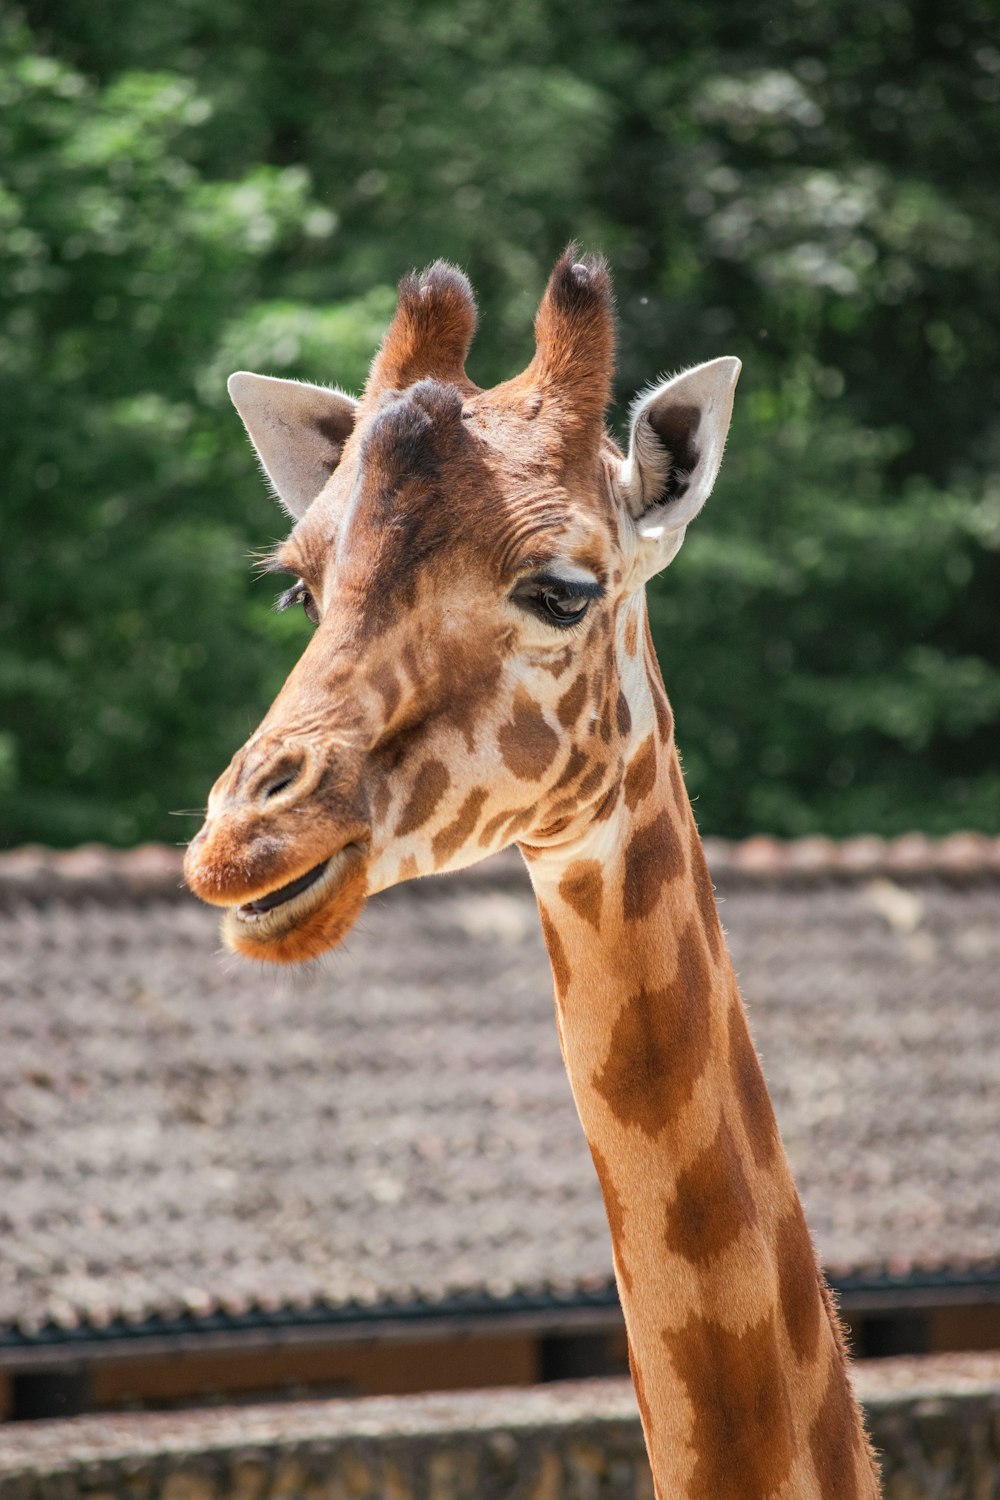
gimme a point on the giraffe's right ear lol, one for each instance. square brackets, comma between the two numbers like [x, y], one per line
[298, 430]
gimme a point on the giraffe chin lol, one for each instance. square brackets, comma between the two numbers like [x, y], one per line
[313, 918]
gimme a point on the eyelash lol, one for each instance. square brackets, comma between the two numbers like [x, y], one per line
[298, 594]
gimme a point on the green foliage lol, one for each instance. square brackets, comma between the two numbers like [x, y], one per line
[830, 664]
[135, 650]
[192, 188]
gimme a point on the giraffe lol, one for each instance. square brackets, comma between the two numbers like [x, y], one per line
[481, 673]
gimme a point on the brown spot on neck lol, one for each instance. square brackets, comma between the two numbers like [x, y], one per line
[677, 786]
[660, 1044]
[837, 1441]
[654, 855]
[615, 1210]
[742, 1431]
[640, 777]
[664, 718]
[705, 895]
[713, 1203]
[582, 888]
[641, 1400]
[561, 971]
[750, 1088]
[798, 1283]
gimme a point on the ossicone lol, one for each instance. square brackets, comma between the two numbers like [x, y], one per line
[430, 334]
[573, 364]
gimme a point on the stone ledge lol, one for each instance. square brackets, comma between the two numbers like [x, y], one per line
[927, 1376]
[936, 1421]
[52, 1446]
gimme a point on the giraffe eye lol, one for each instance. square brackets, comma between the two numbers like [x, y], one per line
[555, 600]
[298, 594]
[563, 609]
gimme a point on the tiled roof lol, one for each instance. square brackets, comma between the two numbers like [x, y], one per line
[184, 1134]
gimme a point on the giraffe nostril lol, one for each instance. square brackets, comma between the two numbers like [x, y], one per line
[274, 787]
[285, 771]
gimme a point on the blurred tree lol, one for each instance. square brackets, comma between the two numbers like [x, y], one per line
[133, 643]
[194, 187]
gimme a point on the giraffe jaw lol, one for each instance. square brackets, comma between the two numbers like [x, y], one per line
[304, 917]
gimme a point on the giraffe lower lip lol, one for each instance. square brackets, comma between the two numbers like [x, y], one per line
[283, 893]
[288, 906]
[304, 917]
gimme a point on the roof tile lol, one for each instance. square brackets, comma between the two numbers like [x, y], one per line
[181, 1133]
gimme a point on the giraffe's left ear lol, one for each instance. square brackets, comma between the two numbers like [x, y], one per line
[298, 430]
[678, 434]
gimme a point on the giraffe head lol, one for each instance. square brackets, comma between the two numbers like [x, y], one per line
[472, 562]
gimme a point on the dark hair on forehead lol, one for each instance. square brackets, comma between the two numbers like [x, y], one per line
[413, 433]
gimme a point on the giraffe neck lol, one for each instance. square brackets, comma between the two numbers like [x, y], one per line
[736, 1356]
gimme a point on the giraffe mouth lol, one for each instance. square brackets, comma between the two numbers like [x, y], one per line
[303, 917]
[250, 909]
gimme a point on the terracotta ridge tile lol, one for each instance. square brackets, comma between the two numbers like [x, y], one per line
[146, 870]
[962, 855]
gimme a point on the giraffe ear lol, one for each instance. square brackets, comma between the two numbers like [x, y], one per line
[677, 436]
[298, 430]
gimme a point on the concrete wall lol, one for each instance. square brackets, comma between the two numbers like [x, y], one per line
[937, 1420]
